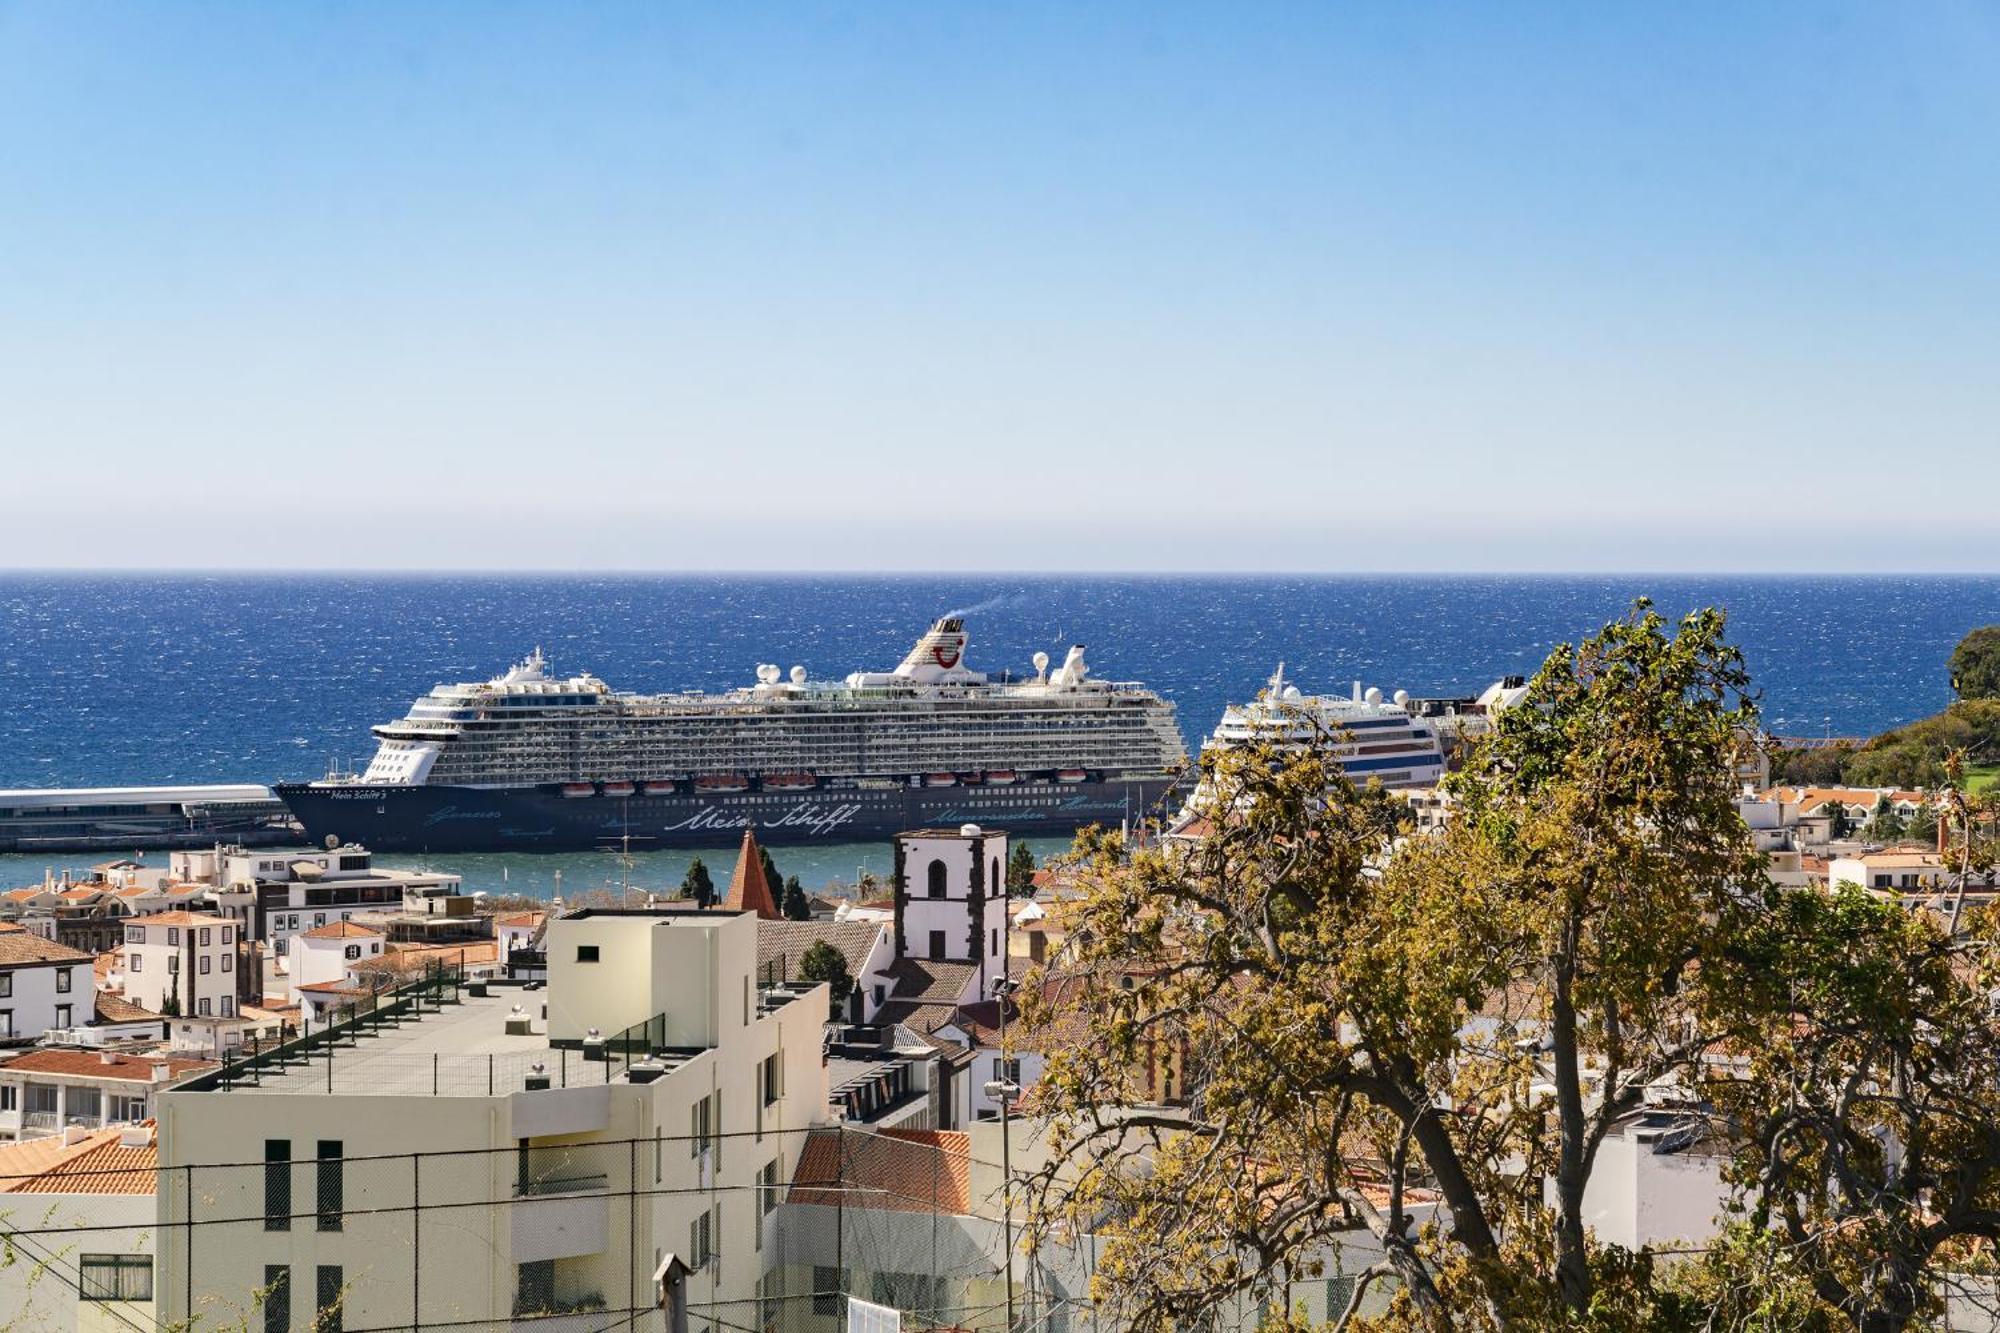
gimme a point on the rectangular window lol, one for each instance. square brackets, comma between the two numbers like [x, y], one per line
[6, 985]
[329, 1297]
[114, 1277]
[173, 935]
[828, 1284]
[277, 1185]
[586, 953]
[203, 969]
[535, 1287]
[126, 1110]
[229, 934]
[228, 1003]
[277, 1298]
[774, 1079]
[63, 1018]
[332, 1184]
[62, 981]
[937, 946]
[10, 1096]
[203, 938]
[767, 1181]
[201, 1008]
[132, 963]
[229, 962]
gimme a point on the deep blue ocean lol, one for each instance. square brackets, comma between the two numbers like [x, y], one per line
[116, 679]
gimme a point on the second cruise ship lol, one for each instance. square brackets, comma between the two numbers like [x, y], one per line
[532, 761]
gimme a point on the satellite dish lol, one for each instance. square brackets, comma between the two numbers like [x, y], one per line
[332, 841]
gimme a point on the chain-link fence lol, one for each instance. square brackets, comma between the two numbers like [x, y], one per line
[775, 1229]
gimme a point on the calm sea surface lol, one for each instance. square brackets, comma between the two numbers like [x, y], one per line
[163, 679]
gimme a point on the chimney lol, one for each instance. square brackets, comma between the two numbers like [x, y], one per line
[107, 1057]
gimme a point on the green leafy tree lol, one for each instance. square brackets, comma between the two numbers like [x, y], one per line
[1922, 825]
[1319, 986]
[822, 962]
[1021, 871]
[796, 906]
[771, 875]
[1975, 664]
[1883, 821]
[1839, 822]
[697, 884]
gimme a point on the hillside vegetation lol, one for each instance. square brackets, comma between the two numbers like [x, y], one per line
[1909, 756]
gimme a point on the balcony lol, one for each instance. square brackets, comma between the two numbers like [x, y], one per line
[561, 1218]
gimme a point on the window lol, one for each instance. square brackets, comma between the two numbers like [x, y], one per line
[227, 1006]
[937, 875]
[1009, 1070]
[328, 1299]
[353, 951]
[277, 1298]
[277, 1187]
[174, 963]
[6, 985]
[132, 963]
[278, 946]
[767, 1179]
[204, 965]
[204, 935]
[535, 1287]
[229, 962]
[586, 953]
[937, 945]
[126, 1110]
[135, 934]
[173, 935]
[701, 1238]
[773, 1079]
[993, 949]
[114, 1277]
[201, 1008]
[10, 1097]
[62, 980]
[700, 1126]
[828, 1284]
[63, 1015]
[332, 1184]
[319, 918]
[229, 934]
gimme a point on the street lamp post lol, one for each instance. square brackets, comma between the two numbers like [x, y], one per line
[1005, 1090]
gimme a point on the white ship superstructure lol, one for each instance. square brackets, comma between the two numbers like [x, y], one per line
[1009, 743]
[1369, 737]
[930, 715]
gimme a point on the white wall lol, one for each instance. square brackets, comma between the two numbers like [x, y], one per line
[35, 1004]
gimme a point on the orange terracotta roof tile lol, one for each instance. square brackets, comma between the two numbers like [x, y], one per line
[22, 947]
[340, 930]
[898, 1170]
[181, 919]
[748, 891]
[93, 1064]
[100, 1163]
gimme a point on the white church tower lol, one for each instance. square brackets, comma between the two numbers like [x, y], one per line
[951, 898]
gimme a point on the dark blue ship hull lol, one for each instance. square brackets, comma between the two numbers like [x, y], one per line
[543, 819]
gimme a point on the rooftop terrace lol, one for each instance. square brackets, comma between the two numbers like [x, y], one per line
[439, 1037]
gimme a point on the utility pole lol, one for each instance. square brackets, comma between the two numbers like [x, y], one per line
[1005, 1089]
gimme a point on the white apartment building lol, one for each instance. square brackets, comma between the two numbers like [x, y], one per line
[43, 985]
[55, 1089]
[519, 1149]
[96, 1191]
[182, 963]
[322, 955]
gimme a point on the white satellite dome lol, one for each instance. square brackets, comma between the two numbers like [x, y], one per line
[798, 675]
[1374, 696]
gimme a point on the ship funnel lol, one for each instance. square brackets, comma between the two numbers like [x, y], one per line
[939, 654]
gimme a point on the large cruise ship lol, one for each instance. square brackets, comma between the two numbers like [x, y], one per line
[531, 761]
[1391, 741]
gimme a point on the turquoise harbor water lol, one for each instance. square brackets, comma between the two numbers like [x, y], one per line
[115, 679]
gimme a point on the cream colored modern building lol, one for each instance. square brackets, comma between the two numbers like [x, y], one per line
[504, 1149]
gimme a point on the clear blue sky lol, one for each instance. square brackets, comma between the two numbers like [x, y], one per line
[1081, 286]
